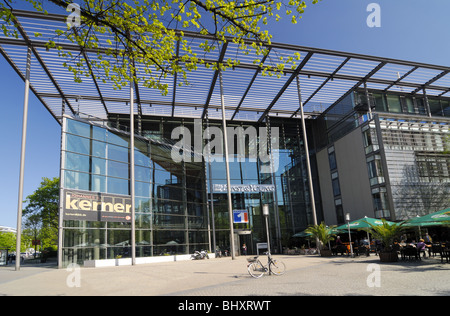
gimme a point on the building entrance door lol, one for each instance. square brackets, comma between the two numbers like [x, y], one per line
[244, 237]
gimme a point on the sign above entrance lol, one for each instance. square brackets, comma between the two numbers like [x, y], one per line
[244, 188]
[93, 206]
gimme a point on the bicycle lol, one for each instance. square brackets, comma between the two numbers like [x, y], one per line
[256, 269]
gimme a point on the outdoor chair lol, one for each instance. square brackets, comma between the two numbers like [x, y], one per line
[436, 249]
[355, 250]
[339, 249]
[364, 250]
[410, 252]
[445, 253]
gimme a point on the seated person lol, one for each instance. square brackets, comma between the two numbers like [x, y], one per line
[421, 246]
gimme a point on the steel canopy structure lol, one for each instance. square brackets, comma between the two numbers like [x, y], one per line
[326, 77]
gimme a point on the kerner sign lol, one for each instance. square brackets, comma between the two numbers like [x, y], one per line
[91, 206]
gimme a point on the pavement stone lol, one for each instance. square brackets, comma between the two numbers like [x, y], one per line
[305, 275]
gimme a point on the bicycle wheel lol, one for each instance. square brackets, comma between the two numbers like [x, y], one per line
[277, 267]
[256, 269]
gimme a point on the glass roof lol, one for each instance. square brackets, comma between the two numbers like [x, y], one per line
[325, 77]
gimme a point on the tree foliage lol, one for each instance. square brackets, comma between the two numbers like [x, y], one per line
[44, 203]
[41, 212]
[145, 41]
[386, 232]
[322, 232]
[8, 241]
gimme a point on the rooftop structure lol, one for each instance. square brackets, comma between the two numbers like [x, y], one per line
[326, 77]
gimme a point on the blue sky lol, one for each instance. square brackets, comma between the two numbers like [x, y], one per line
[410, 29]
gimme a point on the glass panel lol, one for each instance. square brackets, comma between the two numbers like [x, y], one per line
[435, 107]
[117, 169]
[83, 237]
[339, 213]
[195, 209]
[143, 221]
[394, 104]
[117, 153]
[169, 192]
[98, 149]
[332, 160]
[421, 106]
[118, 238]
[168, 221]
[98, 183]
[218, 170]
[77, 162]
[98, 166]
[77, 144]
[162, 177]
[78, 128]
[380, 201]
[99, 133]
[76, 180]
[235, 169]
[142, 174]
[446, 108]
[380, 104]
[118, 139]
[142, 205]
[142, 189]
[336, 187]
[198, 237]
[410, 105]
[168, 207]
[118, 186]
[169, 237]
[141, 158]
[375, 170]
[143, 237]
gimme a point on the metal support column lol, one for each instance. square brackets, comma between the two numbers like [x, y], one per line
[227, 167]
[274, 182]
[427, 104]
[133, 217]
[22, 158]
[366, 92]
[308, 163]
[61, 186]
[213, 222]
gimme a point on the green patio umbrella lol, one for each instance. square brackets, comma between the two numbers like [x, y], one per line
[362, 223]
[305, 234]
[302, 234]
[416, 223]
[438, 218]
[434, 219]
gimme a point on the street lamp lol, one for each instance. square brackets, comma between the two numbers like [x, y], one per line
[266, 216]
[347, 218]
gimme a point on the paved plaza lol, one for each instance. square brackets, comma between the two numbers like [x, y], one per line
[305, 275]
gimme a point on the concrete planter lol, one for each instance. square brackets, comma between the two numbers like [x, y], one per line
[388, 256]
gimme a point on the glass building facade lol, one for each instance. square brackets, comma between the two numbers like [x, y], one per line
[177, 209]
[182, 205]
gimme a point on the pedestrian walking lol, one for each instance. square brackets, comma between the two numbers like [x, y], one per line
[244, 249]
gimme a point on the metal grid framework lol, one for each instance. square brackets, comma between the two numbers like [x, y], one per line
[326, 78]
